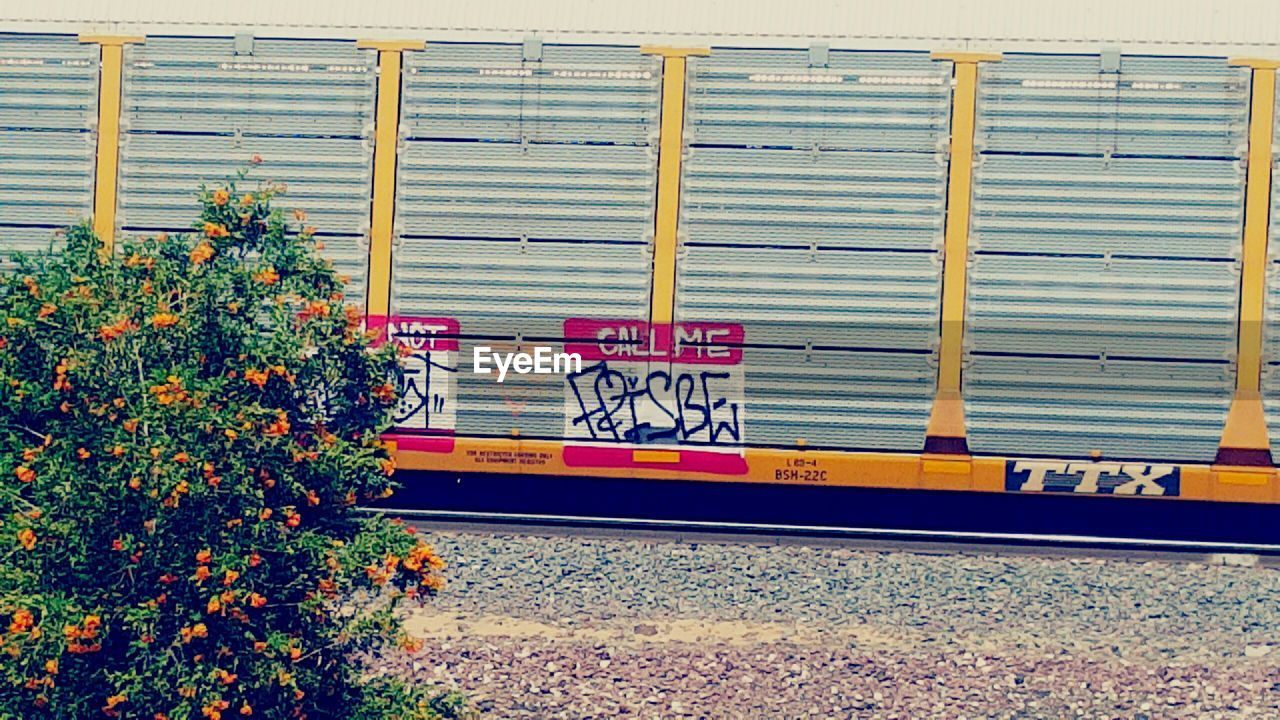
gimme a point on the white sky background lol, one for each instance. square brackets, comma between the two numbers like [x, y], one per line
[1211, 27]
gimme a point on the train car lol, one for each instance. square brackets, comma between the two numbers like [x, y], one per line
[1004, 247]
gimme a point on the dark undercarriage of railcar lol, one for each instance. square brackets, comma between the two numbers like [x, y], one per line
[1004, 518]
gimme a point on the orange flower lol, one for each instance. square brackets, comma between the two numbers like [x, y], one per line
[131, 424]
[255, 559]
[22, 621]
[51, 667]
[256, 159]
[117, 451]
[257, 377]
[25, 474]
[256, 600]
[114, 700]
[267, 276]
[315, 308]
[202, 573]
[246, 710]
[182, 457]
[204, 250]
[220, 197]
[388, 465]
[111, 332]
[164, 320]
[246, 200]
[293, 520]
[231, 434]
[264, 514]
[214, 230]
[279, 427]
[295, 653]
[299, 214]
[195, 631]
[83, 454]
[46, 310]
[135, 483]
[204, 556]
[214, 605]
[230, 577]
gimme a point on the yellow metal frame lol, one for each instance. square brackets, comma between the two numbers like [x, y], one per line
[385, 154]
[1245, 437]
[820, 467]
[946, 430]
[670, 157]
[107, 166]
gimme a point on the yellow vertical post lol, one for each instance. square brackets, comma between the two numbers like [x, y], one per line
[946, 431]
[386, 136]
[670, 154]
[1245, 440]
[110, 82]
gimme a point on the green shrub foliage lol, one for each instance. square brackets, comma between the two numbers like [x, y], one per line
[187, 428]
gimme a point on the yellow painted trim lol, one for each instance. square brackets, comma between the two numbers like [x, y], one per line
[667, 216]
[391, 44]
[113, 40]
[385, 151]
[1246, 426]
[655, 456]
[107, 165]
[946, 419]
[673, 52]
[1256, 63]
[956, 244]
[959, 56]
[1226, 483]
[1253, 274]
[817, 467]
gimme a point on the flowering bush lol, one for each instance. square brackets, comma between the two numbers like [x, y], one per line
[186, 429]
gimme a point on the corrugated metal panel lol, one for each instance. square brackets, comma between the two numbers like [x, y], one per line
[25, 240]
[571, 94]
[1174, 107]
[1079, 205]
[48, 82]
[1173, 26]
[1271, 329]
[861, 101]
[1104, 256]
[350, 258]
[501, 288]
[830, 298]
[814, 196]
[1094, 306]
[1070, 408]
[532, 404]
[196, 112]
[561, 192]
[838, 399]
[330, 179]
[526, 188]
[284, 88]
[46, 178]
[48, 107]
[798, 198]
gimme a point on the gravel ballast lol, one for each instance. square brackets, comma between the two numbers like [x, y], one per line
[581, 627]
